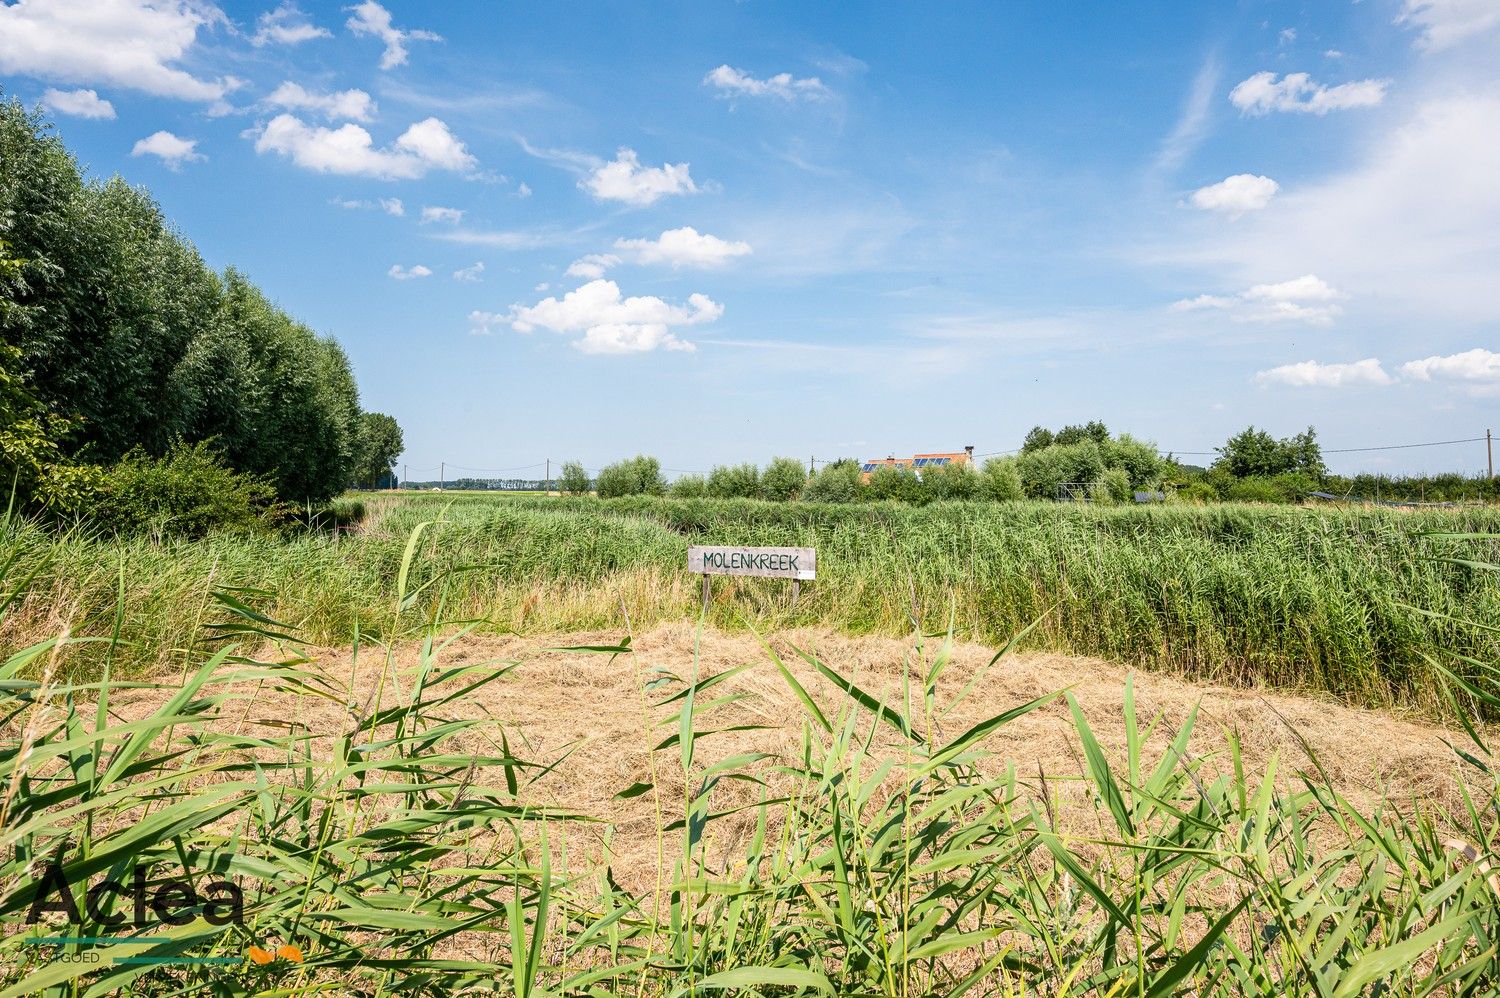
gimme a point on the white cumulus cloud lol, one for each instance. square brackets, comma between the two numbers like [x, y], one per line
[593, 265]
[1312, 374]
[369, 18]
[1263, 93]
[353, 105]
[434, 213]
[1233, 196]
[286, 25]
[1475, 367]
[612, 324]
[122, 43]
[428, 145]
[469, 273]
[78, 103]
[1445, 23]
[733, 82]
[170, 149]
[1302, 299]
[684, 247]
[625, 179]
[401, 273]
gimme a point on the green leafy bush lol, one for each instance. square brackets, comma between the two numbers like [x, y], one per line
[1255, 453]
[1256, 490]
[838, 481]
[1113, 487]
[689, 487]
[188, 493]
[1197, 492]
[1043, 471]
[900, 484]
[32, 464]
[953, 482]
[638, 476]
[783, 479]
[1002, 480]
[739, 481]
[574, 480]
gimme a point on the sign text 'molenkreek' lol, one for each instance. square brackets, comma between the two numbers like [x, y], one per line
[771, 563]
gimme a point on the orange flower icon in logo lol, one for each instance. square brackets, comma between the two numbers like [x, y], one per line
[287, 952]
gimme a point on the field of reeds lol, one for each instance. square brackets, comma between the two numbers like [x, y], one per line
[1343, 601]
[409, 849]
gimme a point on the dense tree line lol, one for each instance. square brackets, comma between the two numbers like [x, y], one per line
[1078, 462]
[121, 340]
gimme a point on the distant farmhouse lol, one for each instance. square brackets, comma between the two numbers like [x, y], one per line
[917, 462]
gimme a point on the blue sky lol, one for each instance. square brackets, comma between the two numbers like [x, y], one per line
[725, 231]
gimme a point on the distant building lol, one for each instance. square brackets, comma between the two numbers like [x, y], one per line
[917, 462]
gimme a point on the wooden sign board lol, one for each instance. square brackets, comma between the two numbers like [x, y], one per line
[768, 563]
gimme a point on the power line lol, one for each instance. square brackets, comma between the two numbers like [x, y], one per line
[1434, 443]
[1350, 450]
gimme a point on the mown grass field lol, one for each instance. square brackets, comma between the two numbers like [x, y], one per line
[1346, 601]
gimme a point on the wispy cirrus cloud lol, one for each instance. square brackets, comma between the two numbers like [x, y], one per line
[1442, 24]
[1193, 122]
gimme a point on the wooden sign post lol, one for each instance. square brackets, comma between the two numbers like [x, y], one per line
[767, 563]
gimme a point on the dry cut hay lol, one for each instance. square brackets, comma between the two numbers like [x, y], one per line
[594, 713]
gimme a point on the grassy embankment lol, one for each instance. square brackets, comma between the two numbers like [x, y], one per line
[1331, 600]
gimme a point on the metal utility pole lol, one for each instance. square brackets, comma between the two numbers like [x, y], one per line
[548, 479]
[442, 474]
[1489, 452]
[404, 476]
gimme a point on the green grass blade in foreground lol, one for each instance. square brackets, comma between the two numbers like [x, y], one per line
[873, 704]
[797, 689]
